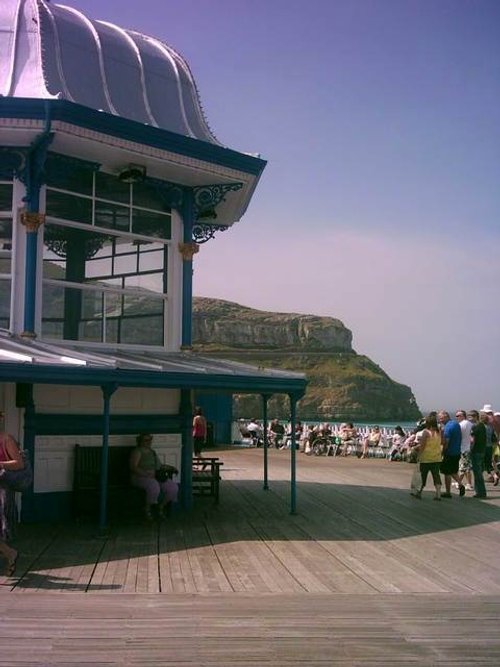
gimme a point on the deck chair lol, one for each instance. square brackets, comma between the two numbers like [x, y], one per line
[381, 450]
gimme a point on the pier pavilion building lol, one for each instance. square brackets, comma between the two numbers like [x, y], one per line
[110, 182]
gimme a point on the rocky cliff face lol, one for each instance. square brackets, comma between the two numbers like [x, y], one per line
[226, 324]
[342, 384]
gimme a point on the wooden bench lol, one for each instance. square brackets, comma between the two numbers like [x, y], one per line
[206, 476]
[123, 498]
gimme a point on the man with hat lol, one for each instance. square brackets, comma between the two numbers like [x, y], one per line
[493, 418]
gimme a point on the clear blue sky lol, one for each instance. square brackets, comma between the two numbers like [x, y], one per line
[380, 204]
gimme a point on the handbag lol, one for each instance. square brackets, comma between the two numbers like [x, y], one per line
[161, 475]
[18, 480]
[165, 472]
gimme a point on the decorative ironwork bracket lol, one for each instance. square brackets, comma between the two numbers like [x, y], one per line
[12, 162]
[208, 197]
[33, 173]
[29, 164]
[57, 240]
[203, 232]
[206, 200]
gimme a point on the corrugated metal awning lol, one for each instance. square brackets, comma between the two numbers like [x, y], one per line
[31, 360]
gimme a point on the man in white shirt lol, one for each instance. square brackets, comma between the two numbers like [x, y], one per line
[465, 465]
[256, 432]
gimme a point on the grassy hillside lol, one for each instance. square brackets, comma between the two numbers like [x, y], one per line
[342, 384]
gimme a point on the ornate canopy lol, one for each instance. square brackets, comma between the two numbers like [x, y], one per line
[51, 51]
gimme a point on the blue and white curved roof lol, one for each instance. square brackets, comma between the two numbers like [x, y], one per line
[50, 51]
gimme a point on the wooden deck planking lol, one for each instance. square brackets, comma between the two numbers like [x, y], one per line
[363, 574]
[409, 572]
[238, 572]
[248, 569]
[62, 564]
[172, 541]
[373, 538]
[230, 629]
[203, 556]
[440, 547]
[350, 535]
[304, 560]
[110, 571]
[258, 569]
[167, 566]
[338, 562]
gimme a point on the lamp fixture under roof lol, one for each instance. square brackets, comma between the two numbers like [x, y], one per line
[134, 173]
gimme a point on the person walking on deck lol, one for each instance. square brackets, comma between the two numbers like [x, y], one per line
[465, 466]
[199, 431]
[10, 459]
[430, 455]
[451, 434]
[477, 449]
[492, 423]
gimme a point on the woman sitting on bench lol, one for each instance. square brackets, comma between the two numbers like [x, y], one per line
[156, 479]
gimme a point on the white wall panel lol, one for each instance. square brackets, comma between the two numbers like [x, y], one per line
[52, 398]
[159, 401]
[89, 400]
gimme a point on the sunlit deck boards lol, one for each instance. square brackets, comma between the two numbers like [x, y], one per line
[357, 531]
[243, 630]
[363, 574]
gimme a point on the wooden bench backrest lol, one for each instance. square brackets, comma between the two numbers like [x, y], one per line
[88, 466]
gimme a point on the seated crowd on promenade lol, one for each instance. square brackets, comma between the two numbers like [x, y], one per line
[344, 439]
[461, 448]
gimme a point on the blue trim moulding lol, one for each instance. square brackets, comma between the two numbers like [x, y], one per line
[188, 214]
[48, 374]
[129, 130]
[30, 286]
[35, 162]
